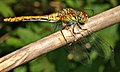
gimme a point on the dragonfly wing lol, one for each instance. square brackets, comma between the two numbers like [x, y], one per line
[101, 46]
[83, 49]
[79, 52]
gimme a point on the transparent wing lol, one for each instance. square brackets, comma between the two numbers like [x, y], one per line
[101, 46]
[79, 52]
[83, 49]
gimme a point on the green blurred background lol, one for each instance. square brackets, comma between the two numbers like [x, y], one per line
[17, 35]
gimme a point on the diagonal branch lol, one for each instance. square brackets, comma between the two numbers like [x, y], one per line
[56, 40]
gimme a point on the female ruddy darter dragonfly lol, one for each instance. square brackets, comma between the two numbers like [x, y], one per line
[82, 50]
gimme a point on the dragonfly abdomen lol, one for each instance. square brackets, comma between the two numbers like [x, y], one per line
[24, 18]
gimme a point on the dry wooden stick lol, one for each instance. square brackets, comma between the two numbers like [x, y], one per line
[4, 37]
[56, 40]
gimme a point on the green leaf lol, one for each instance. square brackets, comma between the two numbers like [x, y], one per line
[70, 3]
[21, 69]
[27, 36]
[42, 64]
[98, 8]
[14, 42]
[5, 10]
[9, 2]
[114, 2]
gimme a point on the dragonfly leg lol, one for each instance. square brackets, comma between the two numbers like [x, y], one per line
[79, 28]
[63, 35]
[73, 28]
[65, 26]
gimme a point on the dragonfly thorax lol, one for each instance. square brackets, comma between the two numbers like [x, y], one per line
[70, 15]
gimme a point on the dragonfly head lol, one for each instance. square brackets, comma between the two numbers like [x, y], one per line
[83, 17]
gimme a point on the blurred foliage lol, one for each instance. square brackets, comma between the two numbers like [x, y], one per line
[23, 33]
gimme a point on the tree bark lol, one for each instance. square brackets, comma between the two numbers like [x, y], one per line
[56, 40]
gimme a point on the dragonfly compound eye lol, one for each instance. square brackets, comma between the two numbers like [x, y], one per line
[83, 17]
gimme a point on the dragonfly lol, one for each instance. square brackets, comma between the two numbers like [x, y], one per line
[67, 16]
[81, 50]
